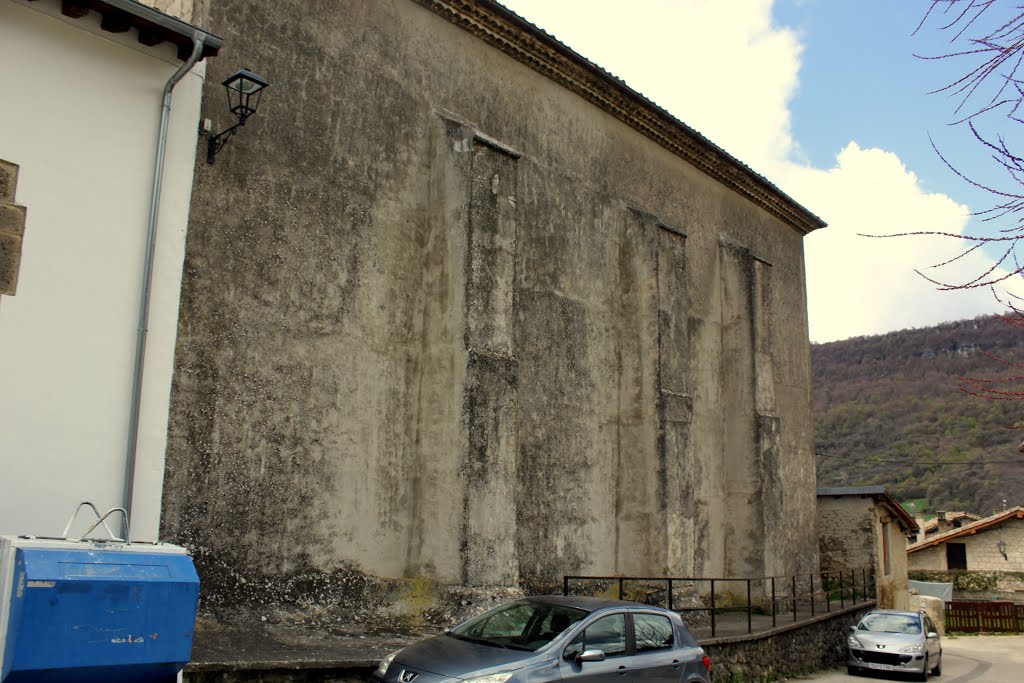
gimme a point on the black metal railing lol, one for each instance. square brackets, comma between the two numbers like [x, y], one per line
[733, 606]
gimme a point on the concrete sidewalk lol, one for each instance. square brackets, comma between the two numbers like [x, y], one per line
[231, 653]
[305, 654]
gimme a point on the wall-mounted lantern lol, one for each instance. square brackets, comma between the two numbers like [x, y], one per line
[244, 90]
[1001, 546]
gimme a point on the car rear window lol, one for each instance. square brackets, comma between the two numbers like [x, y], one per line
[653, 632]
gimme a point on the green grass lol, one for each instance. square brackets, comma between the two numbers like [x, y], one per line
[917, 506]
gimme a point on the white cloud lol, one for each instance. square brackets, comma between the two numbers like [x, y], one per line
[724, 69]
[719, 66]
[860, 285]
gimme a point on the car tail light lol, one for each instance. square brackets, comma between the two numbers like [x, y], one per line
[707, 662]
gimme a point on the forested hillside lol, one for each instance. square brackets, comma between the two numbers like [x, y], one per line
[887, 407]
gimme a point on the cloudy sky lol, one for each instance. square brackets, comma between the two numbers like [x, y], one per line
[826, 99]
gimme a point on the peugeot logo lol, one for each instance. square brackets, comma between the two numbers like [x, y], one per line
[880, 647]
[408, 676]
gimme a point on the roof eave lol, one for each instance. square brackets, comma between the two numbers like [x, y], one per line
[968, 530]
[512, 34]
[153, 26]
[877, 493]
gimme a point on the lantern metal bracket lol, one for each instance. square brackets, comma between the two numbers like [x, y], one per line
[216, 142]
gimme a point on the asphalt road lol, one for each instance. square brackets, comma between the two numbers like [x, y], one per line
[966, 659]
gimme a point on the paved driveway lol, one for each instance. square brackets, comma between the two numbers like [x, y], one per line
[967, 659]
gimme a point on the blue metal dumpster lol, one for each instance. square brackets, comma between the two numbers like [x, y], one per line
[75, 611]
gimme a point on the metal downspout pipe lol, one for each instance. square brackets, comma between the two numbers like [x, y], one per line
[147, 277]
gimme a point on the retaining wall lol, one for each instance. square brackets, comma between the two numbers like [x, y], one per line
[798, 649]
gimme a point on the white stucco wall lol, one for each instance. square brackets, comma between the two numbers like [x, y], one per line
[79, 115]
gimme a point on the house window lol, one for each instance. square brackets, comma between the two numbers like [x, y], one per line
[886, 560]
[956, 556]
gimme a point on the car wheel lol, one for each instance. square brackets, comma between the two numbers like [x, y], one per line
[852, 670]
[923, 676]
[937, 671]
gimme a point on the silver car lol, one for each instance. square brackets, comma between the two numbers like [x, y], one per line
[556, 639]
[887, 640]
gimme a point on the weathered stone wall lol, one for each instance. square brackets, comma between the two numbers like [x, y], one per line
[850, 535]
[933, 559]
[846, 532]
[788, 652]
[444, 318]
[180, 9]
[12, 228]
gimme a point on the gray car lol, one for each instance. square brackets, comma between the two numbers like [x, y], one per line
[554, 639]
[888, 640]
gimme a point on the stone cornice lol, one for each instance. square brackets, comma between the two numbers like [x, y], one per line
[526, 43]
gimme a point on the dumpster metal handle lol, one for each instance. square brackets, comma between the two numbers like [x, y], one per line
[100, 519]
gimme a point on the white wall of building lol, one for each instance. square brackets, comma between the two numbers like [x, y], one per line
[79, 115]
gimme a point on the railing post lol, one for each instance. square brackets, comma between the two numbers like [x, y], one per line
[864, 573]
[842, 591]
[794, 597]
[712, 608]
[812, 594]
[853, 580]
[670, 594]
[565, 585]
[773, 602]
[750, 628]
[620, 587]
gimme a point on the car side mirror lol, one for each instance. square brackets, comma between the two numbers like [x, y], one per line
[853, 629]
[933, 634]
[590, 656]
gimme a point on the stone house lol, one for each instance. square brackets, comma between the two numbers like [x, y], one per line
[943, 522]
[983, 559]
[865, 527]
[83, 91]
[464, 310]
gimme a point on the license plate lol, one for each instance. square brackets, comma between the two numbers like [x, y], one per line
[883, 667]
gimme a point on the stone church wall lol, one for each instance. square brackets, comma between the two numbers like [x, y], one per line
[445, 320]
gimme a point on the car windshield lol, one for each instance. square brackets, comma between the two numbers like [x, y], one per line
[890, 623]
[521, 625]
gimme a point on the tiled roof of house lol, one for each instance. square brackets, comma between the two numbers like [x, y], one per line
[932, 524]
[525, 42]
[968, 529]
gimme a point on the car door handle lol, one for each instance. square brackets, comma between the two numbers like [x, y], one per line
[675, 663]
[623, 670]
